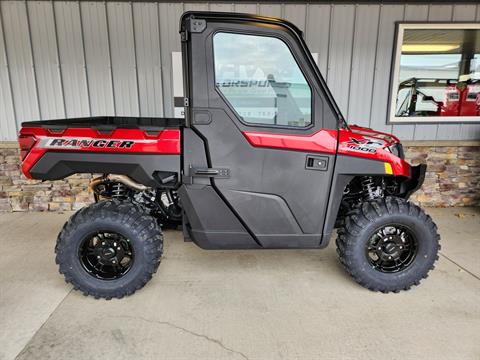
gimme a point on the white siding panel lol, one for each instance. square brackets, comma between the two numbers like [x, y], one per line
[72, 58]
[274, 10]
[19, 55]
[296, 13]
[97, 54]
[246, 8]
[383, 61]
[8, 126]
[195, 6]
[75, 59]
[225, 7]
[45, 56]
[363, 61]
[340, 53]
[122, 55]
[317, 33]
[169, 15]
[149, 62]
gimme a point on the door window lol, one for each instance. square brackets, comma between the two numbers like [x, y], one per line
[261, 80]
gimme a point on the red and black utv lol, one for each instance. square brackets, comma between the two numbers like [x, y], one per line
[262, 160]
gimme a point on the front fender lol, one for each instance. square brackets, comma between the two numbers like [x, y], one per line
[348, 167]
[415, 181]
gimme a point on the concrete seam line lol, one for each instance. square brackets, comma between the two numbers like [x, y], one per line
[206, 337]
[460, 266]
[43, 324]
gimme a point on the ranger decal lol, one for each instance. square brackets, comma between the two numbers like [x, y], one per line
[84, 143]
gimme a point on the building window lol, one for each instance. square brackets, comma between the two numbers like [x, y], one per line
[436, 76]
[261, 80]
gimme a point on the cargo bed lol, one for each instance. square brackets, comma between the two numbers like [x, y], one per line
[146, 149]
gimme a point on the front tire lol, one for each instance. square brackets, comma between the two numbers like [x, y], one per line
[388, 244]
[109, 249]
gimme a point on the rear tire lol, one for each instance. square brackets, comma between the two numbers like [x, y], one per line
[109, 249]
[388, 244]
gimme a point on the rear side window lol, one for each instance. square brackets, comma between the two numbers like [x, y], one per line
[261, 80]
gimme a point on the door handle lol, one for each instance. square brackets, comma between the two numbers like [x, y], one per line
[206, 172]
[210, 172]
[316, 163]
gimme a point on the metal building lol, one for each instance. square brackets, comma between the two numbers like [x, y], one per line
[77, 58]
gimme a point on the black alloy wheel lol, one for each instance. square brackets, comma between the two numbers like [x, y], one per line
[392, 248]
[109, 249]
[106, 255]
[388, 244]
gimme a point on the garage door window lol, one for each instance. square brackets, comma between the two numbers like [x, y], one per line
[437, 73]
[261, 80]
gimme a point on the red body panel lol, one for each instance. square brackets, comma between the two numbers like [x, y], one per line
[323, 141]
[166, 142]
[347, 146]
[356, 141]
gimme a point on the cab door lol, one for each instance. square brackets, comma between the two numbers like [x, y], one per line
[267, 129]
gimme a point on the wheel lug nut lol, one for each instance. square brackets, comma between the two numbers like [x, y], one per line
[98, 256]
[114, 244]
[379, 248]
[118, 248]
[389, 258]
[103, 242]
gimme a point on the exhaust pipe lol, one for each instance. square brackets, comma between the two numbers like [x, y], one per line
[125, 180]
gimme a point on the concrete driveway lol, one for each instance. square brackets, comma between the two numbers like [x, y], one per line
[279, 304]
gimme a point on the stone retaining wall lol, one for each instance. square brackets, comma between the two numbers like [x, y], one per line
[453, 179]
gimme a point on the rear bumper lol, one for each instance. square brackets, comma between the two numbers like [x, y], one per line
[417, 176]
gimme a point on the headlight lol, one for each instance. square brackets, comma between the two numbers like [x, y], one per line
[397, 150]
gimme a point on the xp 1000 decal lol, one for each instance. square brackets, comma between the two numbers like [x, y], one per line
[365, 145]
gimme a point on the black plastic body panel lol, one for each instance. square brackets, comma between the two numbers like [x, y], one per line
[210, 220]
[54, 165]
[416, 180]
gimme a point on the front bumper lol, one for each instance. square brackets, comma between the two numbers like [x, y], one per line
[417, 176]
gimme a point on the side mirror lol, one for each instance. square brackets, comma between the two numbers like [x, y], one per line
[428, 98]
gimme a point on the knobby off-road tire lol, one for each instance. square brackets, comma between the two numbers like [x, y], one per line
[139, 235]
[361, 227]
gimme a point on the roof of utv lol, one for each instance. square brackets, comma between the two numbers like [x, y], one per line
[238, 17]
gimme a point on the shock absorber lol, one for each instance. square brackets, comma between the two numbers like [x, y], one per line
[118, 191]
[368, 186]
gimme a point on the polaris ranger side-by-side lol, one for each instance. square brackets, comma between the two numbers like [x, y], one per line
[262, 160]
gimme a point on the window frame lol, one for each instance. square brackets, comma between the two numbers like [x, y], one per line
[395, 70]
[232, 108]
